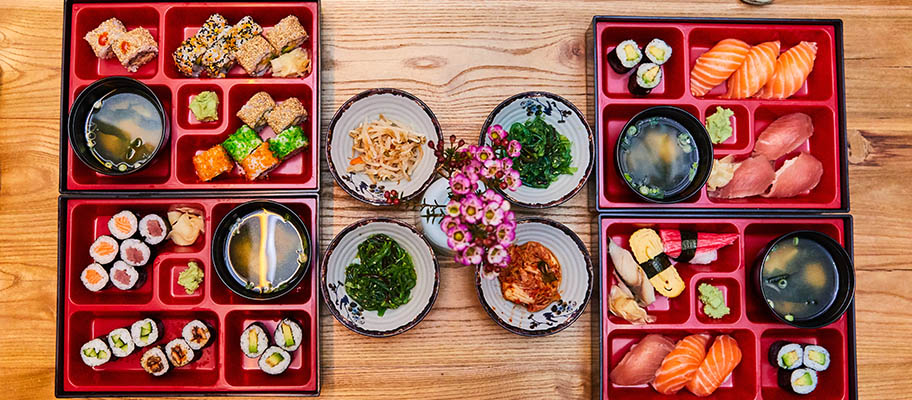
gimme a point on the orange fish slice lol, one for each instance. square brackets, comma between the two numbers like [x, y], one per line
[792, 69]
[720, 361]
[756, 70]
[681, 364]
[716, 65]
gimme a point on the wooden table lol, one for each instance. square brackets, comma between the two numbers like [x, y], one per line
[462, 58]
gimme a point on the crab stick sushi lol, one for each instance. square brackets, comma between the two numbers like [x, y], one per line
[154, 362]
[144, 332]
[274, 361]
[754, 72]
[123, 225]
[121, 342]
[153, 229]
[716, 65]
[288, 335]
[254, 341]
[179, 352]
[104, 250]
[197, 334]
[124, 277]
[94, 277]
[694, 247]
[135, 253]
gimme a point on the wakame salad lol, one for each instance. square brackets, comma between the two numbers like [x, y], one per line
[384, 276]
[545, 153]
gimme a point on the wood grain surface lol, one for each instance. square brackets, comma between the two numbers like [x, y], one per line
[462, 58]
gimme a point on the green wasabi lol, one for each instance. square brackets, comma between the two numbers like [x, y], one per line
[205, 106]
[713, 301]
[191, 277]
[719, 125]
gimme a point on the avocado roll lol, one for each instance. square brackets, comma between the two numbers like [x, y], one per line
[785, 355]
[816, 357]
[95, 352]
[288, 335]
[625, 56]
[274, 361]
[799, 381]
[657, 51]
[144, 332]
[254, 340]
[179, 352]
[121, 342]
[154, 361]
[197, 334]
[646, 78]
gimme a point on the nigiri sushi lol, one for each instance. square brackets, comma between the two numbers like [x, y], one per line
[681, 364]
[648, 251]
[640, 364]
[792, 69]
[631, 273]
[721, 359]
[783, 135]
[622, 304]
[751, 178]
[694, 247]
[796, 176]
[716, 65]
[754, 72]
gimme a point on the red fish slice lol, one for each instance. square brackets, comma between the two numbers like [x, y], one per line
[792, 69]
[720, 361]
[716, 65]
[754, 72]
[681, 364]
[784, 135]
[753, 176]
[796, 176]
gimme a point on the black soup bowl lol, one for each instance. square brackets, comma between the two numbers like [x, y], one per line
[682, 120]
[266, 233]
[94, 97]
[844, 279]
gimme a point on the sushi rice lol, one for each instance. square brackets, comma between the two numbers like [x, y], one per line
[95, 353]
[785, 355]
[135, 252]
[154, 361]
[179, 352]
[123, 225]
[288, 335]
[153, 229]
[123, 276]
[254, 340]
[104, 250]
[816, 357]
[121, 342]
[94, 277]
[657, 51]
[625, 56]
[799, 381]
[144, 332]
[274, 360]
[197, 334]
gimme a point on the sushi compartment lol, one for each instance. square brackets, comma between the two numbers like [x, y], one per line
[170, 24]
[748, 321]
[220, 367]
[820, 97]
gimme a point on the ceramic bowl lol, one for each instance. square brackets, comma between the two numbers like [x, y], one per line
[568, 121]
[575, 287]
[343, 250]
[399, 106]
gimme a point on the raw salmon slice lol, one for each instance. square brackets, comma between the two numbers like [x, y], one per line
[716, 65]
[792, 69]
[681, 364]
[754, 72]
[720, 361]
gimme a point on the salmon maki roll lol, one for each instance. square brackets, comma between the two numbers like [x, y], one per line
[754, 72]
[681, 364]
[792, 69]
[716, 65]
[720, 361]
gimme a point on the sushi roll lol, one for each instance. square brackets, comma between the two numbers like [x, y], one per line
[288, 143]
[135, 48]
[799, 381]
[274, 361]
[254, 112]
[153, 229]
[121, 342]
[286, 114]
[242, 142]
[123, 225]
[646, 78]
[287, 35]
[288, 335]
[125, 277]
[144, 332]
[254, 56]
[218, 59]
[254, 340]
[211, 29]
[657, 51]
[259, 162]
[625, 56]
[135, 253]
[816, 357]
[197, 334]
[95, 353]
[179, 352]
[104, 250]
[212, 163]
[785, 355]
[187, 56]
[243, 31]
[94, 277]
[154, 362]
[101, 37]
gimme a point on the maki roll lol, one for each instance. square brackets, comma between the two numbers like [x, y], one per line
[785, 355]
[288, 335]
[197, 334]
[121, 342]
[144, 332]
[154, 361]
[187, 56]
[288, 143]
[286, 114]
[124, 277]
[254, 56]
[253, 113]
[218, 59]
[179, 352]
[254, 340]
[135, 253]
[153, 229]
[123, 225]
[287, 35]
[101, 37]
[211, 29]
[212, 163]
[135, 48]
[625, 56]
[242, 142]
[95, 353]
[657, 51]
[104, 249]
[274, 361]
[244, 30]
[646, 78]
[259, 162]
[94, 277]
[816, 357]
[799, 381]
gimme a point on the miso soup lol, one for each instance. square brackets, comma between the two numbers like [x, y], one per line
[658, 157]
[123, 131]
[265, 251]
[799, 279]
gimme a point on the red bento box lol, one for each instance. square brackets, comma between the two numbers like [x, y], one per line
[822, 97]
[170, 23]
[749, 322]
[220, 369]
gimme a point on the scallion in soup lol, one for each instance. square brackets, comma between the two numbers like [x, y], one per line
[123, 131]
[658, 157]
[799, 279]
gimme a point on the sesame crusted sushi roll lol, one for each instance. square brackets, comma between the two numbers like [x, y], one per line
[187, 56]
[153, 229]
[144, 332]
[212, 163]
[254, 56]
[287, 34]
[123, 225]
[154, 362]
[288, 335]
[95, 352]
[135, 48]
[259, 162]
[104, 250]
[135, 253]
[94, 277]
[125, 277]
[120, 342]
[274, 361]
[286, 114]
[211, 29]
[254, 112]
[254, 340]
[242, 142]
[288, 143]
[197, 334]
[101, 37]
[179, 352]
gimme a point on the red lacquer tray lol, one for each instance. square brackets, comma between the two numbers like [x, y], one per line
[170, 23]
[750, 322]
[822, 97]
[221, 369]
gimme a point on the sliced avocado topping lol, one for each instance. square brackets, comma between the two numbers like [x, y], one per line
[803, 380]
[656, 52]
[274, 359]
[289, 337]
[817, 357]
[790, 358]
[102, 355]
[651, 74]
[630, 52]
[252, 341]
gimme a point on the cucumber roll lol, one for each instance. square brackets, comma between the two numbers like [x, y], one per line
[288, 335]
[197, 334]
[179, 352]
[95, 352]
[254, 340]
[625, 56]
[144, 332]
[154, 362]
[785, 355]
[121, 342]
[799, 381]
[646, 78]
[657, 51]
[816, 358]
[274, 361]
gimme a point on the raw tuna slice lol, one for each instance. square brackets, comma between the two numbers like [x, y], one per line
[753, 176]
[784, 135]
[640, 364]
[796, 176]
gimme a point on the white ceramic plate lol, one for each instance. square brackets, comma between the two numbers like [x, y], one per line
[575, 287]
[396, 105]
[343, 250]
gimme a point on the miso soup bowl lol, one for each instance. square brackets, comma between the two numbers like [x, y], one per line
[701, 140]
[845, 287]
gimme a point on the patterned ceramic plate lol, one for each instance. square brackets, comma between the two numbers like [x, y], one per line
[575, 287]
[344, 250]
[568, 121]
[396, 105]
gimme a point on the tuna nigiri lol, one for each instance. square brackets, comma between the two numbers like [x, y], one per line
[751, 178]
[681, 364]
[783, 135]
[796, 176]
[694, 247]
[640, 364]
[792, 69]
[716, 65]
[754, 72]
[720, 361]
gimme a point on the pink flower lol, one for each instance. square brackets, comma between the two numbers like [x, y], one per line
[472, 255]
[472, 149]
[512, 180]
[498, 255]
[460, 183]
[506, 164]
[490, 168]
[493, 214]
[505, 234]
[449, 223]
[452, 208]
[509, 219]
[471, 208]
[472, 170]
[459, 237]
[491, 196]
[496, 132]
[484, 153]
[514, 148]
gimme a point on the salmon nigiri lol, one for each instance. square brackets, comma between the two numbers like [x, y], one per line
[716, 65]
[681, 364]
[754, 72]
[792, 69]
[720, 361]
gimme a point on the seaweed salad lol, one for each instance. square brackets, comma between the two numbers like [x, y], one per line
[545, 152]
[384, 276]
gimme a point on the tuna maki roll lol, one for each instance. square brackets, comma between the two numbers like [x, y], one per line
[288, 335]
[135, 253]
[286, 35]
[286, 114]
[95, 353]
[785, 355]
[94, 277]
[254, 112]
[197, 334]
[121, 342]
[179, 352]
[646, 78]
[153, 229]
[799, 381]
[816, 358]
[254, 340]
[124, 277]
[288, 143]
[154, 362]
[104, 250]
[274, 361]
[144, 332]
[657, 51]
[625, 56]
[241, 143]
